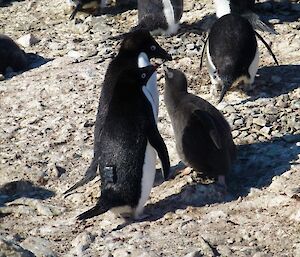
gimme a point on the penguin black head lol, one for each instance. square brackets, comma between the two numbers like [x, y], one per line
[175, 80]
[141, 40]
[134, 78]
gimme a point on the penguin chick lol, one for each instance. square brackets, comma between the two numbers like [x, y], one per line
[137, 48]
[160, 16]
[232, 53]
[203, 136]
[244, 8]
[79, 5]
[11, 55]
[129, 141]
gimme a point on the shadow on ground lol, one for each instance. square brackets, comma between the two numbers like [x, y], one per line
[6, 3]
[34, 61]
[283, 11]
[274, 81]
[255, 166]
[22, 188]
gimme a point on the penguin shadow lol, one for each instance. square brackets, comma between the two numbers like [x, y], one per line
[117, 9]
[255, 166]
[22, 188]
[284, 12]
[199, 27]
[258, 163]
[34, 61]
[274, 81]
[6, 3]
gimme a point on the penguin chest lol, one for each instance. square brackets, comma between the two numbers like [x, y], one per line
[169, 14]
[150, 89]
[148, 175]
[212, 70]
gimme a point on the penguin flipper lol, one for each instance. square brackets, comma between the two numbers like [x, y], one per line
[89, 175]
[210, 126]
[257, 23]
[268, 47]
[95, 211]
[203, 51]
[159, 145]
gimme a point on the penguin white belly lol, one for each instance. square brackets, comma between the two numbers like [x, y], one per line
[213, 74]
[147, 178]
[170, 17]
[254, 66]
[150, 89]
[222, 7]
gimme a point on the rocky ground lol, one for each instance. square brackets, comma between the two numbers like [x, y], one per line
[46, 138]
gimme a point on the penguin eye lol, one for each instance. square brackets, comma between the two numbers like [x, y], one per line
[153, 48]
[143, 76]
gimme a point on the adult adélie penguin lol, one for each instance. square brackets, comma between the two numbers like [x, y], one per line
[160, 16]
[203, 136]
[80, 5]
[136, 49]
[232, 53]
[130, 140]
[244, 8]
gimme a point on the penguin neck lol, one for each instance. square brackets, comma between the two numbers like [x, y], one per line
[173, 97]
[222, 7]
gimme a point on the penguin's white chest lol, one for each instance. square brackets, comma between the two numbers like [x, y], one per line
[222, 7]
[170, 17]
[147, 178]
[150, 89]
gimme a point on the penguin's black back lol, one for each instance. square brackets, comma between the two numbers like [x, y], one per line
[198, 147]
[241, 6]
[123, 142]
[151, 13]
[11, 55]
[232, 45]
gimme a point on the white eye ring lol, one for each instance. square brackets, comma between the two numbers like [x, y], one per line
[170, 75]
[143, 76]
[153, 48]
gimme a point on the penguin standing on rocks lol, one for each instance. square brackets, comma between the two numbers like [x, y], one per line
[160, 16]
[11, 55]
[79, 5]
[129, 140]
[244, 8]
[232, 53]
[203, 136]
[135, 51]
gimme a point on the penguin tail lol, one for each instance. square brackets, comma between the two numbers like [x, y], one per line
[95, 211]
[89, 175]
[231, 83]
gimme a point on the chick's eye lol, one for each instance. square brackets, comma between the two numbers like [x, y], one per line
[143, 75]
[153, 48]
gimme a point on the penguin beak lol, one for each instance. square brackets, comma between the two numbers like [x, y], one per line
[161, 53]
[168, 73]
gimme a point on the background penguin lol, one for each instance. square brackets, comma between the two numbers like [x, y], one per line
[129, 139]
[11, 55]
[79, 5]
[160, 16]
[203, 136]
[244, 8]
[136, 49]
[232, 53]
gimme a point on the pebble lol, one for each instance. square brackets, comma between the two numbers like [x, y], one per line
[39, 246]
[260, 121]
[10, 248]
[194, 254]
[28, 40]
